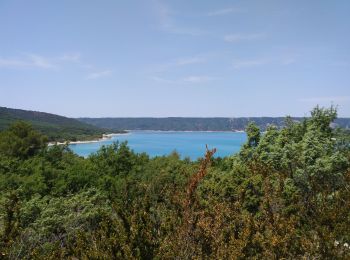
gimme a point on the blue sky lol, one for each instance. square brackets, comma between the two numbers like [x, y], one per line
[175, 58]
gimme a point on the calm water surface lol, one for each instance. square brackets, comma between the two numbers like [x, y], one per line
[156, 143]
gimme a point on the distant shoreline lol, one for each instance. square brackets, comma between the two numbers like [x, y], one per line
[104, 138]
[189, 131]
[109, 136]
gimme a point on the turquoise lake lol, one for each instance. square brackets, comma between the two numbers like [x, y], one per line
[157, 143]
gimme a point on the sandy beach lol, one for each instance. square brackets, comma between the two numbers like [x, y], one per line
[104, 138]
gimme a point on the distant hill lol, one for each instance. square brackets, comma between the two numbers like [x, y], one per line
[56, 128]
[193, 124]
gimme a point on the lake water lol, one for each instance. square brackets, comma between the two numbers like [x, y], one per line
[157, 143]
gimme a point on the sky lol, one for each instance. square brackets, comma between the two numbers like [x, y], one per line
[160, 58]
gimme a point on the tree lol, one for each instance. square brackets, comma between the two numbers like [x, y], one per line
[253, 133]
[253, 138]
[21, 141]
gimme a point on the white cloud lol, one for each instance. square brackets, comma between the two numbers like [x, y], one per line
[167, 23]
[35, 61]
[179, 62]
[162, 80]
[40, 61]
[275, 60]
[99, 74]
[186, 31]
[223, 11]
[189, 79]
[189, 60]
[12, 63]
[71, 57]
[288, 60]
[29, 61]
[239, 64]
[163, 13]
[238, 37]
[336, 99]
[198, 79]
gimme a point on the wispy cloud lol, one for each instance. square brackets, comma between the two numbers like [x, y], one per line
[27, 61]
[179, 62]
[41, 62]
[198, 79]
[288, 60]
[35, 61]
[274, 60]
[185, 30]
[335, 99]
[12, 63]
[168, 24]
[71, 57]
[189, 60]
[224, 11]
[99, 74]
[238, 37]
[186, 80]
[163, 80]
[163, 13]
[239, 64]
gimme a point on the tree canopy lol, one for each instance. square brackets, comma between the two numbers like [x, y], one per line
[286, 194]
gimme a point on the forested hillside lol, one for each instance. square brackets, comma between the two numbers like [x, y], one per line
[56, 128]
[195, 124]
[285, 195]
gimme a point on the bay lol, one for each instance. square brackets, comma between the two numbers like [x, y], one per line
[158, 143]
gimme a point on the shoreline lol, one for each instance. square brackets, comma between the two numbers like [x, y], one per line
[189, 131]
[105, 137]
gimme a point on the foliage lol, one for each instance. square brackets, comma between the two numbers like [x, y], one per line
[24, 141]
[285, 195]
[195, 123]
[56, 128]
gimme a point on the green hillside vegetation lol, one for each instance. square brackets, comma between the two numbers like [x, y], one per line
[285, 195]
[196, 124]
[56, 128]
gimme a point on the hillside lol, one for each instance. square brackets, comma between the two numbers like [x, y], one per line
[194, 124]
[55, 127]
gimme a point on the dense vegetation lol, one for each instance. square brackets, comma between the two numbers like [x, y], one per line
[56, 128]
[195, 124]
[285, 195]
